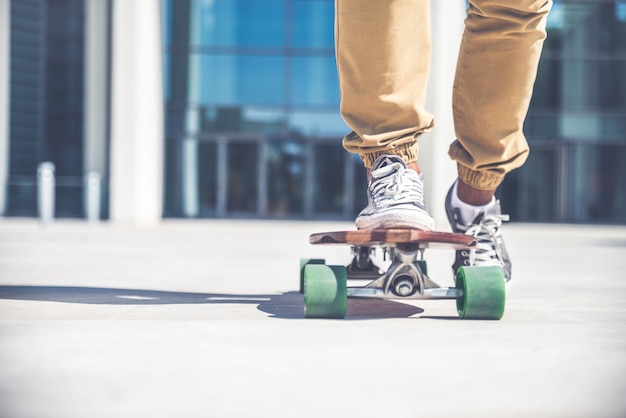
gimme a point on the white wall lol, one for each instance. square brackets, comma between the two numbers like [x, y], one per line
[439, 170]
[136, 166]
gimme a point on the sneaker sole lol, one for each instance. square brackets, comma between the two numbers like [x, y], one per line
[389, 222]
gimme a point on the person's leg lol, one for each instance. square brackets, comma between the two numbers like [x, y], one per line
[383, 59]
[494, 80]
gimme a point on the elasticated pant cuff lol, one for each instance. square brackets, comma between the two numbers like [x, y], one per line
[481, 180]
[408, 152]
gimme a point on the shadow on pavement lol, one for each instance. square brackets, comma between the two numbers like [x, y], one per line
[289, 305]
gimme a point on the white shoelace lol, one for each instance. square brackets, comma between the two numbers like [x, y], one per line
[393, 184]
[488, 249]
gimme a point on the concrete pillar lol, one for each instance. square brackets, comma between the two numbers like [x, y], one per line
[5, 51]
[439, 170]
[190, 145]
[136, 166]
[96, 88]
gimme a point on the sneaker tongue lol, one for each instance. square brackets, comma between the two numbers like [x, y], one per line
[385, 160]
[491, 210]
[494, 210]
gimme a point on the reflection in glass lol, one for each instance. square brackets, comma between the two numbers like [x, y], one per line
[191, 178]
[575, 26]
[207, 178]
[329, 178]
[242, 184]
[542, 124]
[233, 80]
[314, 124]
[531, 194]
[228, 119]
[237, 22]
[314, 81]
[547, 90]
[285, 182]
[580, 92]
[593, 84]
[313, 24]
[598, 186]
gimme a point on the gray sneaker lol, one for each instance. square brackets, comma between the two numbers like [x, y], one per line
[486, 228]
[395, 197]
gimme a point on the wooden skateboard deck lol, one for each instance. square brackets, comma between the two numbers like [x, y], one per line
[381, 237]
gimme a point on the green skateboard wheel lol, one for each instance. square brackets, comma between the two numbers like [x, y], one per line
[484, 293]
[423, 266]
[303, 263]
[325, 291]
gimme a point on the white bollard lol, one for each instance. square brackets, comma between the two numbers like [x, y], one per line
[92, 197]
[45, 192]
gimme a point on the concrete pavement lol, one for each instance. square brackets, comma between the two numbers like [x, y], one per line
[203, 319]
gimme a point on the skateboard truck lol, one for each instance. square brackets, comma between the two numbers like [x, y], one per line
[362, 267]
[405, 278]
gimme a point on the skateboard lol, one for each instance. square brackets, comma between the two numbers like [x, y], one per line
[479, 291]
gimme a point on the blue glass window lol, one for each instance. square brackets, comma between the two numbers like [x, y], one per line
[329, 192]
[313, 24]
[285, 183]
[237, 23]
[589, 26]
[598, 191]
[229, 80]
[314, 81]
[328, 124]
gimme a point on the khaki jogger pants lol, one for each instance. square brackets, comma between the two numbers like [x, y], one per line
[383, 57]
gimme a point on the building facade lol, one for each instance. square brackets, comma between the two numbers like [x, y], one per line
[230, 108]
[577, 120]
[252, 121]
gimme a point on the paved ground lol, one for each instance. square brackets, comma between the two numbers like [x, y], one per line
[203, 319]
